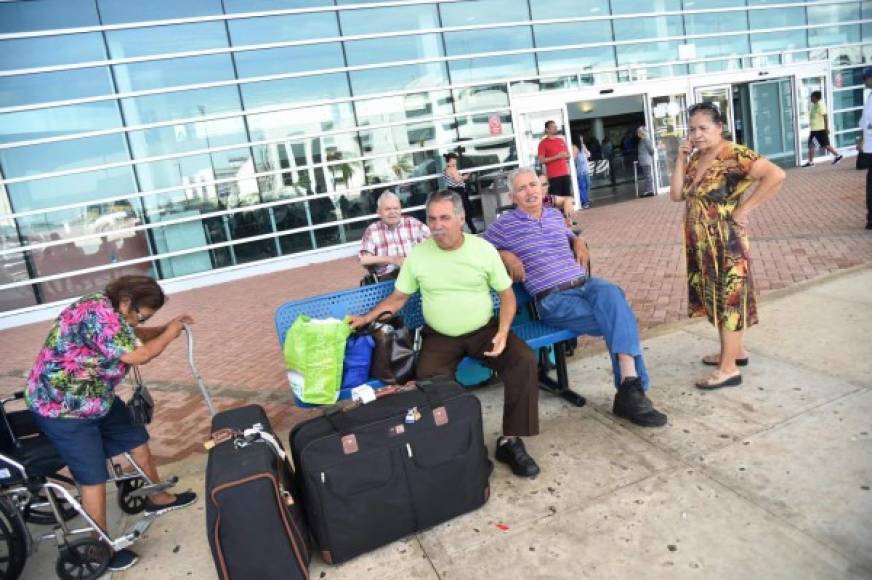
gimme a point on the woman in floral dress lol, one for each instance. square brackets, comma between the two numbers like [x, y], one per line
[714, 177]
[70, 390]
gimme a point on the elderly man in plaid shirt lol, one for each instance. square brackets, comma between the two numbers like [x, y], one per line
[387, 242]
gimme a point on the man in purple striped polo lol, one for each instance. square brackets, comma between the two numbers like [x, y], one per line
[541, 251]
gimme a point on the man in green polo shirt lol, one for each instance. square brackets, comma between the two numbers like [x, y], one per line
[455, 273]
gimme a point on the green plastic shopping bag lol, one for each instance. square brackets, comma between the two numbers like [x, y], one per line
[314, 350]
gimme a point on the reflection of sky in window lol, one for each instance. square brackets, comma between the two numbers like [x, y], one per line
[833, 35]
[235, 6]
[178, 105]
[571, 33]
[478, 69]
[47, 15]
[287, 91]
[483, 12]
[118, 11]
[722, 46]
[647, 53]
[283, 28]
[719, 22]
[578, 60]
[289, 59]
[398, 78]
[165, 39]
[475, 41]
[777, 18]
[774, 41]
[361, 52]
[178, 71]
[300, 121]
[187, 137]
[482, 97]
[64, 155]
[705, 4]
[51, 50]
[543, 9]
[651, 27]
[54, 86]
[637, 6]
[393, 19]
[58, 121]
[401, 107]
[71, 188]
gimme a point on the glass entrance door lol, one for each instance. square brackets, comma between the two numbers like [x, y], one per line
[722, 97]
[772, 115]
[804, 88]
[668, 129]
[533, 131]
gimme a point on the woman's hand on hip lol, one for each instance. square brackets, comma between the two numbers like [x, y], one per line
[740, 217]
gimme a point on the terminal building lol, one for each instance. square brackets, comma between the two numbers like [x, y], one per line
[200, 141]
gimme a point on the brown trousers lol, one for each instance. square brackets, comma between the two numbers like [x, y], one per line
[516, 367]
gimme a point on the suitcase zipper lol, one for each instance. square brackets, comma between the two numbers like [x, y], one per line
[409, 449]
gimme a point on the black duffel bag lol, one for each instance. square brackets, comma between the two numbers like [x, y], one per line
[393, 358]
[379, 472]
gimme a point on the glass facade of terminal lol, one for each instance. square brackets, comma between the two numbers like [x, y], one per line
[183, 137]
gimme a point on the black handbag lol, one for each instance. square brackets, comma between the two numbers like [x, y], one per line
[864, 160]
[141, 405]
[393, 359]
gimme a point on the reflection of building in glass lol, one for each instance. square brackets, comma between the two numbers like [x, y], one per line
[180, 138]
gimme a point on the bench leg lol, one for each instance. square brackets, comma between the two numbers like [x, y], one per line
[560, 387]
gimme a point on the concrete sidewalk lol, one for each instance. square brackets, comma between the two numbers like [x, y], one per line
[768, 480]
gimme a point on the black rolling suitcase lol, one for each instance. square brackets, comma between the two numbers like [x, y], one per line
[255, 527]
[378, 472]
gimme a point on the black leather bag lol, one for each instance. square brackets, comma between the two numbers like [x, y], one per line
[393, 359]
[864, 160]
[141, 405]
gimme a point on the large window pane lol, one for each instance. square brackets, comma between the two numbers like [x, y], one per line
[403, 137]
[118, 11]
[290, 59]
[283, 28]
[717, 22]
[363, 52]
[398, 78]
[51, 50]
[44, 193]
[574, 60]
[47, 15]
[402, 107]
[481, 41]
[180, 105]
[296, 90]
[36, 159]
[778, 41]
[652, 52]
[483, 12]
[187, 137]
[543, 9]
[847, 99]
[777, 18]
[235, 6]
[54, 86]
[165, 39]
[305, 120]
[721, 46]
[705, 4]
[481, 97]
[178, 71]
[640, 6]
[837, 33]
[498, 67]
[58, 121]
[235, 164]
[653, 27]
[393, 19]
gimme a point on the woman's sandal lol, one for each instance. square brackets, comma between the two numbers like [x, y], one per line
[731, 381]
[740, 362]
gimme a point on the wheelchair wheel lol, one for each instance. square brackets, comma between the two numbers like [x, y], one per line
[131, 505]
[82, 559]
[38, 511]
[13, 546]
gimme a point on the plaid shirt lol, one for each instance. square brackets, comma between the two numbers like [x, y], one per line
[380, 240]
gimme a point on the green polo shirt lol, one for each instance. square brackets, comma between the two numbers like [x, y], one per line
[455, 285]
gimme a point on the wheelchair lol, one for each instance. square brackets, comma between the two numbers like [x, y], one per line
[32, 490]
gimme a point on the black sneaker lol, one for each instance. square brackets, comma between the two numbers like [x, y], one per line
[183, 500]
[837, 159]
[515, 455]
[808, 164]
[122, 560]
[631, 403]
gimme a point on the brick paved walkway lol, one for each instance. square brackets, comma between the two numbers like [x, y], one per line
[813, 228]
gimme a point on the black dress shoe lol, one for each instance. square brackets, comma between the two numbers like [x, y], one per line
[631, 403]
[513, 453]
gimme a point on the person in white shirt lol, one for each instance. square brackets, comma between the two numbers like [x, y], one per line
[864, 143]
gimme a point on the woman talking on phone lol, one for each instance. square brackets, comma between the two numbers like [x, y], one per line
[721, 183]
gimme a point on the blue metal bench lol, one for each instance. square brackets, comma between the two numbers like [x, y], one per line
[538, 335]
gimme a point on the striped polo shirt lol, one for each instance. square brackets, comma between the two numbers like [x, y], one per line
[543, 246]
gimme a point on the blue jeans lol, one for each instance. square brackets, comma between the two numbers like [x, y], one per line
[583, 186]
[598, 308]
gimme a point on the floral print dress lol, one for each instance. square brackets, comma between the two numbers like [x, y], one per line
[717, 249]
[79, 365]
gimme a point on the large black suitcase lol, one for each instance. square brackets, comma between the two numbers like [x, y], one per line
[255, 527]
[381, 471]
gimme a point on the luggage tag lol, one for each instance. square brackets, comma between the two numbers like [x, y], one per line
[413, 415]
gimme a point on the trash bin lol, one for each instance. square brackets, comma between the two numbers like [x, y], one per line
[495, 195]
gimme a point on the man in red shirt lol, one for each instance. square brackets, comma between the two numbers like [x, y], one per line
[554, 155]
